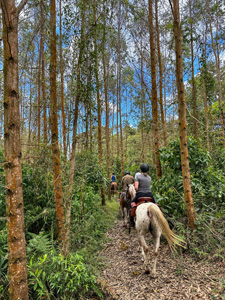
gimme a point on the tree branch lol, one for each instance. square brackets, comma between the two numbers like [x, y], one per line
[21, 6]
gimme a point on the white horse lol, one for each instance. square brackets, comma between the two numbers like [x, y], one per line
[150, 218]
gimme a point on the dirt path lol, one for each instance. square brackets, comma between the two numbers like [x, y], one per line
[177, 278]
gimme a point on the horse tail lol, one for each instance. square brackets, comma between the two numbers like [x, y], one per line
[173, 240]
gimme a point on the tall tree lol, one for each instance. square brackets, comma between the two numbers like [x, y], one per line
[17, 264]
[119, 99]
[182, 116]
[105, 74]
[154, 91]
[42, 46]
[98, 99]
[62, 79]
[68, 199]
[217, 59]
[160, 75]
[194, 100]
[58, 193]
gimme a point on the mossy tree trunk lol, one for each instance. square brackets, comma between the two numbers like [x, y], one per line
[17, 264]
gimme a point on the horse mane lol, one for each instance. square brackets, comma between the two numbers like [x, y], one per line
[132, 191]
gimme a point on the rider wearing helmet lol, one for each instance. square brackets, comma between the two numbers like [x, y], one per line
[126, 180]
[142, 185]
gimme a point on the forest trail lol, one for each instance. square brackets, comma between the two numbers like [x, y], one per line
[178, 278]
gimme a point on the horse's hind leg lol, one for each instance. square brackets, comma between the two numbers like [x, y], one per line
[144, 250]
[156, 243]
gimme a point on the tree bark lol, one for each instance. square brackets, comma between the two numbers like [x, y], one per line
[58, 193]
[98, 100]
[119, 89]
[62, 80]
[154, 92]
[106, 103]
[17, 264]
[43, 73]
[194, 100]
[68, 199]
[217, 59]
[182, 118]
[39, 100]
[160, 76]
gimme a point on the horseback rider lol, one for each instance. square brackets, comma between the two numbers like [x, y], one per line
[142, 186]
[126, 180]
[113, 178]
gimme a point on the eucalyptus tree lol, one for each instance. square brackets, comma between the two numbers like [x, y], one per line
[58, 192]
[18, 283]
[154, 91]
[217, 7]
[182, 116]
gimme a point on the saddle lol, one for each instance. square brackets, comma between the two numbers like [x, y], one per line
[140, 201]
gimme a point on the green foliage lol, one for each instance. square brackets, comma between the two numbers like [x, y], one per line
[208, 183]
[38, 194]
[53, 275]
[208, 236]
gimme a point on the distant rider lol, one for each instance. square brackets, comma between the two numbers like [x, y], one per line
[126, 180]
[113, 178]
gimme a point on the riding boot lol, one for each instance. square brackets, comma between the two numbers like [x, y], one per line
[132, 224]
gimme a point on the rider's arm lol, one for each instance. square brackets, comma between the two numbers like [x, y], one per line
[136, 184]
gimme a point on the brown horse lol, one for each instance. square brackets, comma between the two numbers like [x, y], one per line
[125, 201]
[113, 186]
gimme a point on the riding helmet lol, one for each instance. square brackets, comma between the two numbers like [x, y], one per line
[127, 173]
[144, 168]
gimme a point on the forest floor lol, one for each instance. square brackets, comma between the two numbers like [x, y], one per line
[178, 277]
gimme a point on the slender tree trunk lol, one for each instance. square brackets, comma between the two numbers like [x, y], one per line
[117, 114]
[194, 100]
[217, 59]
[113, 129]
[182, 118]
[39, 100]
[43, 73]
[98, 102]
[17, 264]
[30, 110]
[154, 92]
[62, 80]
[160, 76]
[119, 89]
[106, 104]
[74, 140]
[58, 193]
[142, 109]
[205, 98]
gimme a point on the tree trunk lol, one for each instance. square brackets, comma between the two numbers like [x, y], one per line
[43, 73]
[217, 59]
[194, 101]
[182, 118]
[62, 80]
[142, 109]
[68, 200]
[98, 101]
[39, 100]
[154, 92]
[106, 104]
[119, 89]
[17, 264]
[58, 193]
[160, 76]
